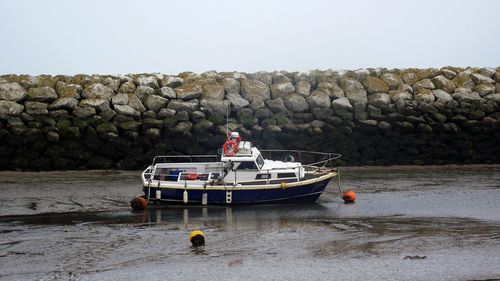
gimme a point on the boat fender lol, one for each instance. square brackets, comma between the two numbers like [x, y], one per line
[283, 185]
[230, 148]
[139, 203]
[185, 197]
[204, 198]
[197, 238]
[349, 196]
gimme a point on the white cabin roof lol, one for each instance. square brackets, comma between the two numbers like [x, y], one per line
[272, 164]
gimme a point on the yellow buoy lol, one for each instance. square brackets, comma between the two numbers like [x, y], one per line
[197, 238]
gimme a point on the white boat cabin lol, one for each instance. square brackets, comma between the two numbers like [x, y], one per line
[245, 166]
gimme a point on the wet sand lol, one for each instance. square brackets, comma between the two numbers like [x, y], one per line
[409, 223]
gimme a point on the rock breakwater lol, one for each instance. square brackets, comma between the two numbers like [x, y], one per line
[371, 116]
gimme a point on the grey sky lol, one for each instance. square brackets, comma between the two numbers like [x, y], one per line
[119, 36]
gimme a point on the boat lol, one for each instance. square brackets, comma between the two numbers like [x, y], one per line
[239, 174]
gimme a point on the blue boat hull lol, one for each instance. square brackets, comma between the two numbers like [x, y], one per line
[299, 194]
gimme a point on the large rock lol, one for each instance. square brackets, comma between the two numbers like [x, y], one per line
[355, 93]
[484, 89]
[463, 80]
[493, 97]
[351, 85]
[253, 90]
[358, 99]
[450, 74]
[204, 126]
[303, 88]
[392, 80]
[276, 105]
[120, 99]
[135, 102]
[442, 95]
[264, 77]
[30, 105]
[400, 95]
[149, 81]
[296, 103]
[487, 71]
[424, 84]
[331, 88]
[237, 101]
[319, 99]
[127, 110]
[425, 96]
[143, 92]
[12, 92]
[11, 108]
[95, 103]
[168, 93]
[336, 92]
[42, 94]
[183, 127]
[375, 85]
[68, 90]
[231, 86]
[481, 79]
[155, 103]
[97, 90]
[443, 83]
[380, 100]
[281, 90]
[179, 105]
[215, 107]
[280, 77]
[410, 78]
[84, 112]
[213, 92]
[112, 83]
[173, 81]
[188, 92]
[106, 127]
[64, 103]
[342, 104]
[127, 88]
[466, 96]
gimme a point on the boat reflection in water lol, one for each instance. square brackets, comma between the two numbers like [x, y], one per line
[232, 217]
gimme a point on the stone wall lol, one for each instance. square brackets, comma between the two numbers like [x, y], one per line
[371, 116]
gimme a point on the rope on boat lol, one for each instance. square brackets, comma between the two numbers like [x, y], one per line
[338, 181]
[149, 191]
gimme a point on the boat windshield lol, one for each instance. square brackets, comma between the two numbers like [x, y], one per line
[260, 161]
[248, 165]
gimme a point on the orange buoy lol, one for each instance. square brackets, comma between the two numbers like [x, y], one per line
[139, 203]
[349, 196]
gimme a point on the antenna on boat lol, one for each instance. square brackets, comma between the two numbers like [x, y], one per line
[227, 119]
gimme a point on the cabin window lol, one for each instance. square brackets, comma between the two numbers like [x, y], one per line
[286, 175]
[263, 176]
[166, 174]
[260, 161]
[250, 165]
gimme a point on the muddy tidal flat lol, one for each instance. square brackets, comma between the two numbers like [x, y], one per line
[409, 223]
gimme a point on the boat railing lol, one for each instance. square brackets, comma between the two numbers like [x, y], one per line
[313, 159]
[183, 158]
